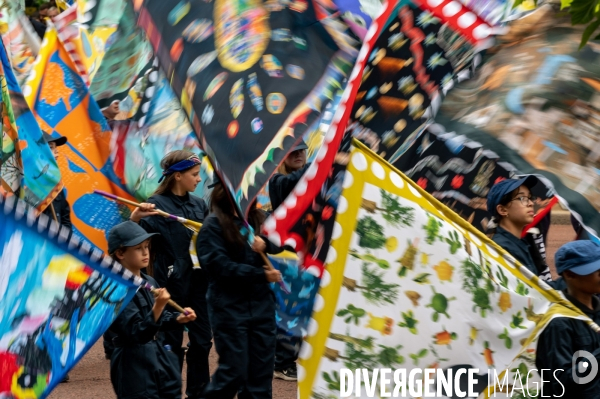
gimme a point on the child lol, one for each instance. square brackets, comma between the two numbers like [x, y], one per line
[578, 262]
[141, 366]
[289, 173]
[173, 265]
[511, 204]
[281, 185]
[241, 303]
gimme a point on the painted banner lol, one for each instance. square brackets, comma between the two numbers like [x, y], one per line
[19, 38]
[261, 72]
[137, 150]
[411, 59]
[532, 108]
[294, 307]
[58, 298]
[63, 105]
[128, 58]
[410, 284]
[27, 167]
[86, 45]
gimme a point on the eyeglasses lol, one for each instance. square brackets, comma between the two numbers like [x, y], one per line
[525, 200]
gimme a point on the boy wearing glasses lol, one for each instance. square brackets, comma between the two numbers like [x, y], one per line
[511, 204]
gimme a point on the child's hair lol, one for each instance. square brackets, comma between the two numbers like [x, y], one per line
[222, 206]
[169, 160]
[284, 169]
[496, 217]
[45, 6]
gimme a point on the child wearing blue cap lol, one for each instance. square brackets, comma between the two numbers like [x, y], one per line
[140, 365]
[578, 262]
[511, 204]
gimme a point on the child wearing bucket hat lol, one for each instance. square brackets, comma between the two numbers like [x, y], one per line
[578, 262]
[141, 365]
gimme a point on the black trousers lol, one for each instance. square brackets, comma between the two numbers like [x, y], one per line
[286, 351]
[246, 348]
[199, 333]
[145, 372]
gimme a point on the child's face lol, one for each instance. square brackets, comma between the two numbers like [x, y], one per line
[135, 258]
[189, 179]
[589, 284]
[520, 209]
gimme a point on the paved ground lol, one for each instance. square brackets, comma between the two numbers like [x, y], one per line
[90, 378]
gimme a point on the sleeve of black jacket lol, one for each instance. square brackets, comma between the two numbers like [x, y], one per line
[65, 217]
[214, 256]
[555, 352]
[280, 186]
[134, 327]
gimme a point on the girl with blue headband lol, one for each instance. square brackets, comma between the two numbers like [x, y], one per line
[173, 266]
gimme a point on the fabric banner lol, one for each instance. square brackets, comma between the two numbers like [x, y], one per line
[532, 109]
[412, 58]
[260, 72]
[294, 307]
[137, 150]
[86, 45]
[63, 105]
[58, 298]
[27, 167]
[127, 59]
[20, 40]
[410, 284]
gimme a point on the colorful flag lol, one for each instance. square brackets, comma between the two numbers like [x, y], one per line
[522, 114]
[263, 84]
[409, 284]
[128, 56]
[27, 167]
[20, 40]
[86, 45]
[59, 295]
[295, 303]
[412, 56]
[63, 105]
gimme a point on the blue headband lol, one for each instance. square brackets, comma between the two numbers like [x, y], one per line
[181, 166]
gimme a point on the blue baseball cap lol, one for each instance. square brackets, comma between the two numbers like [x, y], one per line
[581, 257]
[500, 189]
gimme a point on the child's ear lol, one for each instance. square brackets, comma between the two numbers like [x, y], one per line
[119, 254]
[502, 210]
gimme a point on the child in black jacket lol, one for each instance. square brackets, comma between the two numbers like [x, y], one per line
[141, 366]
[562, 340]
[241, 303]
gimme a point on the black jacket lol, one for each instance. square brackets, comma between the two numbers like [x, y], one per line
[556, 346]
[280, 186]
[172, 262]
[62, 210]
[236, 275]
[140, 366]
[517, 247]
[521, 251]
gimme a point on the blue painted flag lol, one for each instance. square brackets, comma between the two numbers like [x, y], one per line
[59, 295]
